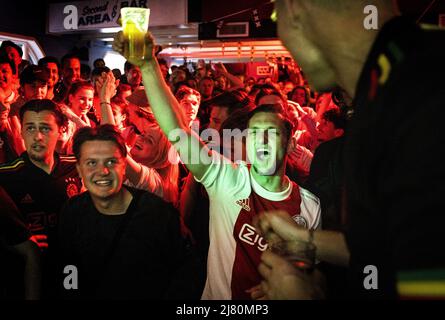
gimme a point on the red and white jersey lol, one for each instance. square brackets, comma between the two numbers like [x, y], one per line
[235, 246]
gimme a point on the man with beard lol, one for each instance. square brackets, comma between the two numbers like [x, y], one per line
[40, 181]
[52, 65]
[70, 73]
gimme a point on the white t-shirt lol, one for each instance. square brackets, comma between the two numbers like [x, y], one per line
[150, 181]
[235, 246]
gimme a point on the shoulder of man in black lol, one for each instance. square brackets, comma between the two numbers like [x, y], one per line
[67, 163]
[393, 155]
[12, 167]
[12, 174]
[155, 205]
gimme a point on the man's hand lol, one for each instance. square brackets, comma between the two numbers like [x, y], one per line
[257, 293]
[219, 68]
[106, 85]
[282, 281]
[120, 45]
[279, 225]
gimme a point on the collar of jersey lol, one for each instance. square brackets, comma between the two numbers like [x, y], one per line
[269, 195]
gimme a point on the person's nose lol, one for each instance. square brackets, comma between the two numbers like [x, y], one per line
[262, 138]
[104, 170]
[38, 136]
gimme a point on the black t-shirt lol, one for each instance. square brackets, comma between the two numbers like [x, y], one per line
[144, 263]
[394, 167]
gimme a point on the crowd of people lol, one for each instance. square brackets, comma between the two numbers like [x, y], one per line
[167, 183]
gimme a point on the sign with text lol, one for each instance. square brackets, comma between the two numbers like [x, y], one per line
[99, 14]
[263, 71]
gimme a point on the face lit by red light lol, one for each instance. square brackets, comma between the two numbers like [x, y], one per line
[102, 168]
[6, 76]
[71, 70]
[54, 74]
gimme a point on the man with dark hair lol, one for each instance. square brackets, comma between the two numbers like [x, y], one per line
[70, 73]
[223, 105]
[14, 53]
[99, 63]
[53, 67]
[40, 181]
[125, 242]
[393, 158]
[194, 200]
[237, 192]
[331, 126]
[131, 76]
[34, 83]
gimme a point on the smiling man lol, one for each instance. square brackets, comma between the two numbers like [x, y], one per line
[125, 242]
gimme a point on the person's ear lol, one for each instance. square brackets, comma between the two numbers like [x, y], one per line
[70, 98]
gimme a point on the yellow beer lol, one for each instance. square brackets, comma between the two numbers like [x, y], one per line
[135, 25]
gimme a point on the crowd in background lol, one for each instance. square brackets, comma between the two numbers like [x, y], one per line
[37, 164]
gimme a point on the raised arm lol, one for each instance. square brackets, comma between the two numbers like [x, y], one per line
[106, 84]
[235, 82]
[167, 110]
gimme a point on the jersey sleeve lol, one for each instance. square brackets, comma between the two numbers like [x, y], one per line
[224, 177]
[150, 181]
[310, 209]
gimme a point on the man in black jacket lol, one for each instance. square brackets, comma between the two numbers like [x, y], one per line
[125, 243]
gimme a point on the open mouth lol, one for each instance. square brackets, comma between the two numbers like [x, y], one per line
[262, 153]
[103, 183]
